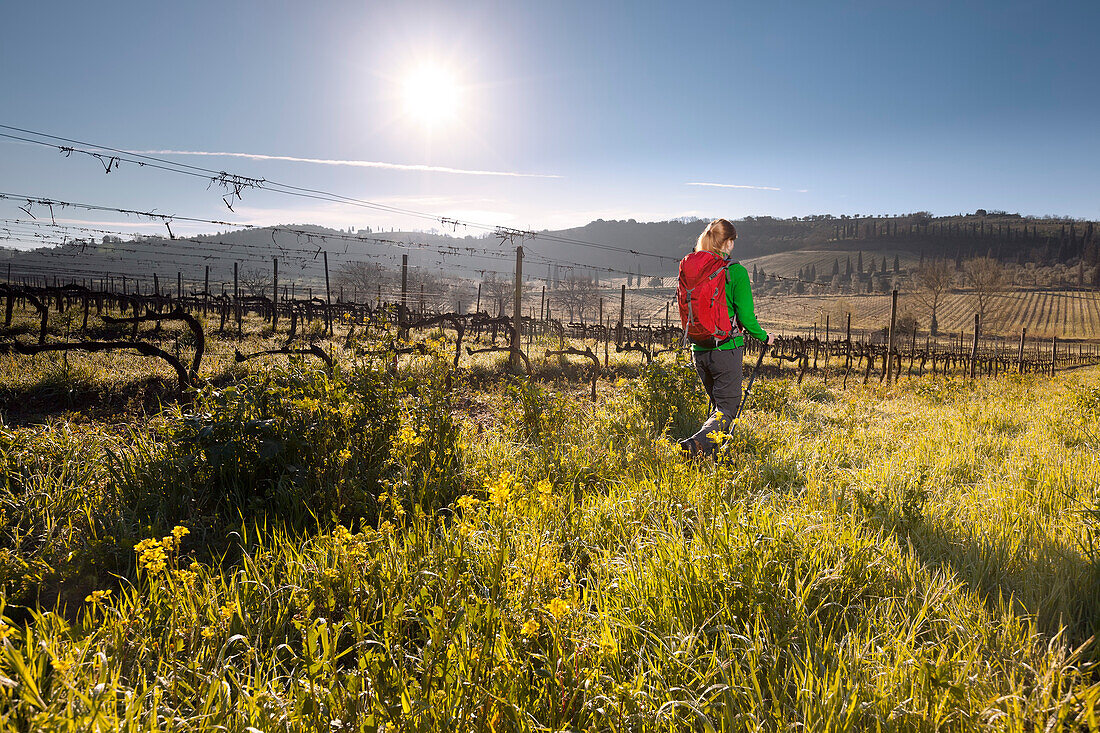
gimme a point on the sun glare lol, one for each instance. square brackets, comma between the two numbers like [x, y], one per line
[432, 96]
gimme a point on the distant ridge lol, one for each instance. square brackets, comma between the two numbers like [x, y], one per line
[1011, 238]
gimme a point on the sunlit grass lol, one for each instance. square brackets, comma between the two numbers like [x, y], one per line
[513, 557]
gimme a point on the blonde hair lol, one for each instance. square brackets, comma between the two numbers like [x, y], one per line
[715, 236]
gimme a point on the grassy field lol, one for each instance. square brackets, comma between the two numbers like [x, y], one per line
[789, 263]
[295, 549]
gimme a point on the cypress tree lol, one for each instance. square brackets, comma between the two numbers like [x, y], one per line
[859, 262]
[836, 267]
[897, 264]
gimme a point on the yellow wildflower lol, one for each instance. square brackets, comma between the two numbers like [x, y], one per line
[531, 628]
[467, 503]
[501, 489]
[558, 608]
[98, 596]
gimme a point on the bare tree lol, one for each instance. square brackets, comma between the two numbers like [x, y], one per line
[985, 276]
[497, 290]
[462, 296]
[931, 281]
[254, 282]
[427, 290]
[577, 295]
[361, 279]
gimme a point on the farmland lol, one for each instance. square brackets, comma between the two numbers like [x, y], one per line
[1065, 313]
[292, 546]
[1045, 313]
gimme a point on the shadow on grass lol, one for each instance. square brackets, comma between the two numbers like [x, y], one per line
[1059, 588]
[58, 394]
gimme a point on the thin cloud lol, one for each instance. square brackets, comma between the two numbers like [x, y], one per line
[350, 163]
[112, 224]
[734, 185]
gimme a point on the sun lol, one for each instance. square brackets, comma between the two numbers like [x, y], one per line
[432, 96]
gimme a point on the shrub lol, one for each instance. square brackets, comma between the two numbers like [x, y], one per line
[293, 442]
[671, 398]
[537, 414]
[427, 454]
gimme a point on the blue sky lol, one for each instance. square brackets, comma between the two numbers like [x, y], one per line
[609, 109]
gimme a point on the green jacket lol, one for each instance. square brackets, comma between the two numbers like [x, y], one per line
[739, 302]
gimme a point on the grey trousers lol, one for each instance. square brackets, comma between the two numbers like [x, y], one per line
[720, 372]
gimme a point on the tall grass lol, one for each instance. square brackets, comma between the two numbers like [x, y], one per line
[918, 558]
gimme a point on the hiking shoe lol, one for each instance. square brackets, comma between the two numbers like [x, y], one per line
[689, 448]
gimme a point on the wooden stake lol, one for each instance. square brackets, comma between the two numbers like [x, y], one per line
[974, 350]
[275, 294]
[237, 297]
[328, 295]
[890, 346]
[404, 280]
[517, 315]
[1020, 355]
[622, 314]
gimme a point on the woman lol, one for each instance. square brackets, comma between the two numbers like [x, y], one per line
[719, 367]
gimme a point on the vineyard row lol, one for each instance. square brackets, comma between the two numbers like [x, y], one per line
[846, 353]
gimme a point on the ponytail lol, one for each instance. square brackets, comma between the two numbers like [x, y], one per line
[717, 233]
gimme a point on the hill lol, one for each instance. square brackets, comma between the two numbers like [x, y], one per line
[1051, 251]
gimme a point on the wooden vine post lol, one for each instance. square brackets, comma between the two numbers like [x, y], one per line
[606, 341]
[1020, 355]
[237, 297]
[890, 345]
[1053, 355]
[328, 296]
[517, 315]
[405, 281]
[402, 332]
[622, 315]
[275, 294]
[974, 348]
[848, 345]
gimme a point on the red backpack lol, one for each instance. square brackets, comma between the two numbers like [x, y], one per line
[701, 294]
